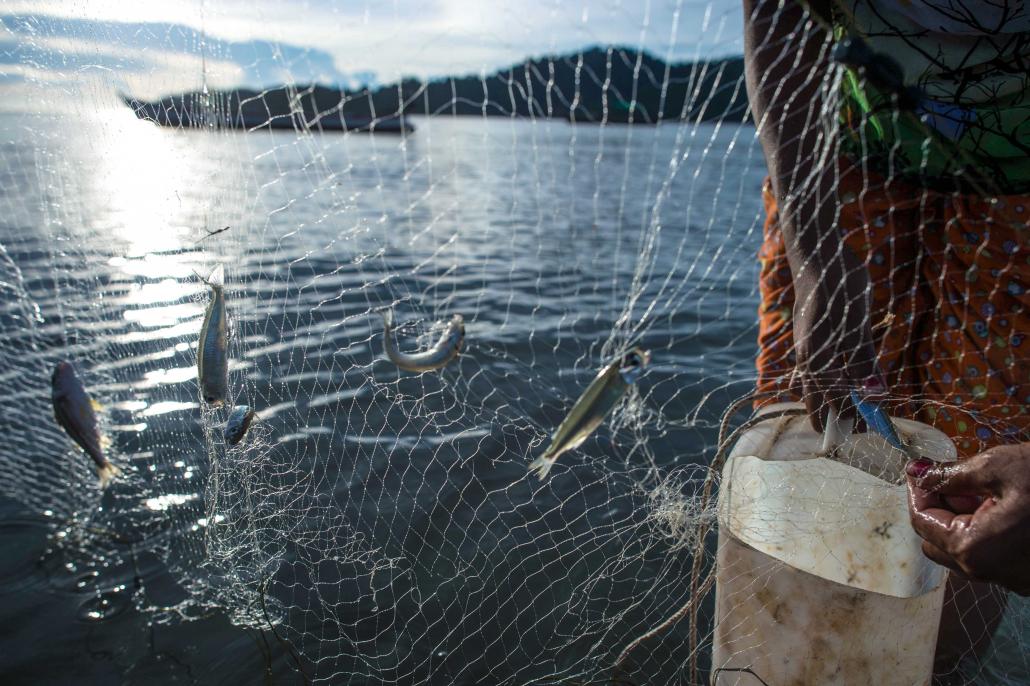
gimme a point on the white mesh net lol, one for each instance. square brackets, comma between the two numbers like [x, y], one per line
[376, 525]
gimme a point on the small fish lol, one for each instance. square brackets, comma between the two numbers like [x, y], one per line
[213, 348]
[597, 401]
[437, 357]
[878, 420]
[238, 423]
[75, 411]
[215, 232]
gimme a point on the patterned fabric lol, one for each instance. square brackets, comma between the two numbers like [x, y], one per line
[953, 270]
[971, 62]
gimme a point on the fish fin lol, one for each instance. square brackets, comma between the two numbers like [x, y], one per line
[217, 277]
[107, 472]
[214, 280]
[96, 405]
[105, 441]
[541, 466]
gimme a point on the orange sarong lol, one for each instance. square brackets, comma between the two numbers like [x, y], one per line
[953, 270]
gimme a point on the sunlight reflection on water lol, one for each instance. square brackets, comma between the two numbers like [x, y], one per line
[529, 230]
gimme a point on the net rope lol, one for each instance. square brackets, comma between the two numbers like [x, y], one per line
[377, 526]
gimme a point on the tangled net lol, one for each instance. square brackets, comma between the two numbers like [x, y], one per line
[377, 526]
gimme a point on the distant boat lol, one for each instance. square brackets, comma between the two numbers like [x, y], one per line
[182, 111]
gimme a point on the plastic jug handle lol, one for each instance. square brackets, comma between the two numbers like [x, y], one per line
[837, 430]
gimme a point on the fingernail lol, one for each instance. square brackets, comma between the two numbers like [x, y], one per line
[917, 469]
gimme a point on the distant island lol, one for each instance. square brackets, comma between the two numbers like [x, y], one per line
[616, 85]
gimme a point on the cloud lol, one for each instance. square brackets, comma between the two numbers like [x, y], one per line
[154, 48]
[158, 57]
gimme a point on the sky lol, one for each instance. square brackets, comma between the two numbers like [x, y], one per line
[150, 48]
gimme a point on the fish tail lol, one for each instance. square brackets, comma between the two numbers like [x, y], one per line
[216, 279]
[541, 466]
[106, 472]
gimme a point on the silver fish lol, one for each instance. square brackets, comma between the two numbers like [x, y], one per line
[596, 402]
[443, 351]
[75, 411]
[238, 423]
[213, 348]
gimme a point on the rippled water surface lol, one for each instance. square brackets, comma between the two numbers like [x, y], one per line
[382, 521]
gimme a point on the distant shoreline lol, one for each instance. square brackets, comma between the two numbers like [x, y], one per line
[183, 112]
[599, 85]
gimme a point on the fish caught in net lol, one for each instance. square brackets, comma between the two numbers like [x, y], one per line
[529, 195]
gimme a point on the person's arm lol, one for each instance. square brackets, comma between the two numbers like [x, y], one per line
[787, 66]
[974, 515]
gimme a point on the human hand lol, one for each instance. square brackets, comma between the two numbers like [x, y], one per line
[833, 334]
[974, 515]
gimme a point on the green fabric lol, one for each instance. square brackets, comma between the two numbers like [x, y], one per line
[992, 152]
[972, 135]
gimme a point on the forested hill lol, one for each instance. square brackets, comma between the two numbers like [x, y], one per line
[599, 84]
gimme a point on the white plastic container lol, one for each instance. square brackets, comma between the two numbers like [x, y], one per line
[820, 578]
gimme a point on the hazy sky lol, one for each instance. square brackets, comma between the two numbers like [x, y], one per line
[153, 47]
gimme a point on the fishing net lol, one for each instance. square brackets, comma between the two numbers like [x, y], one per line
[574, 179]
